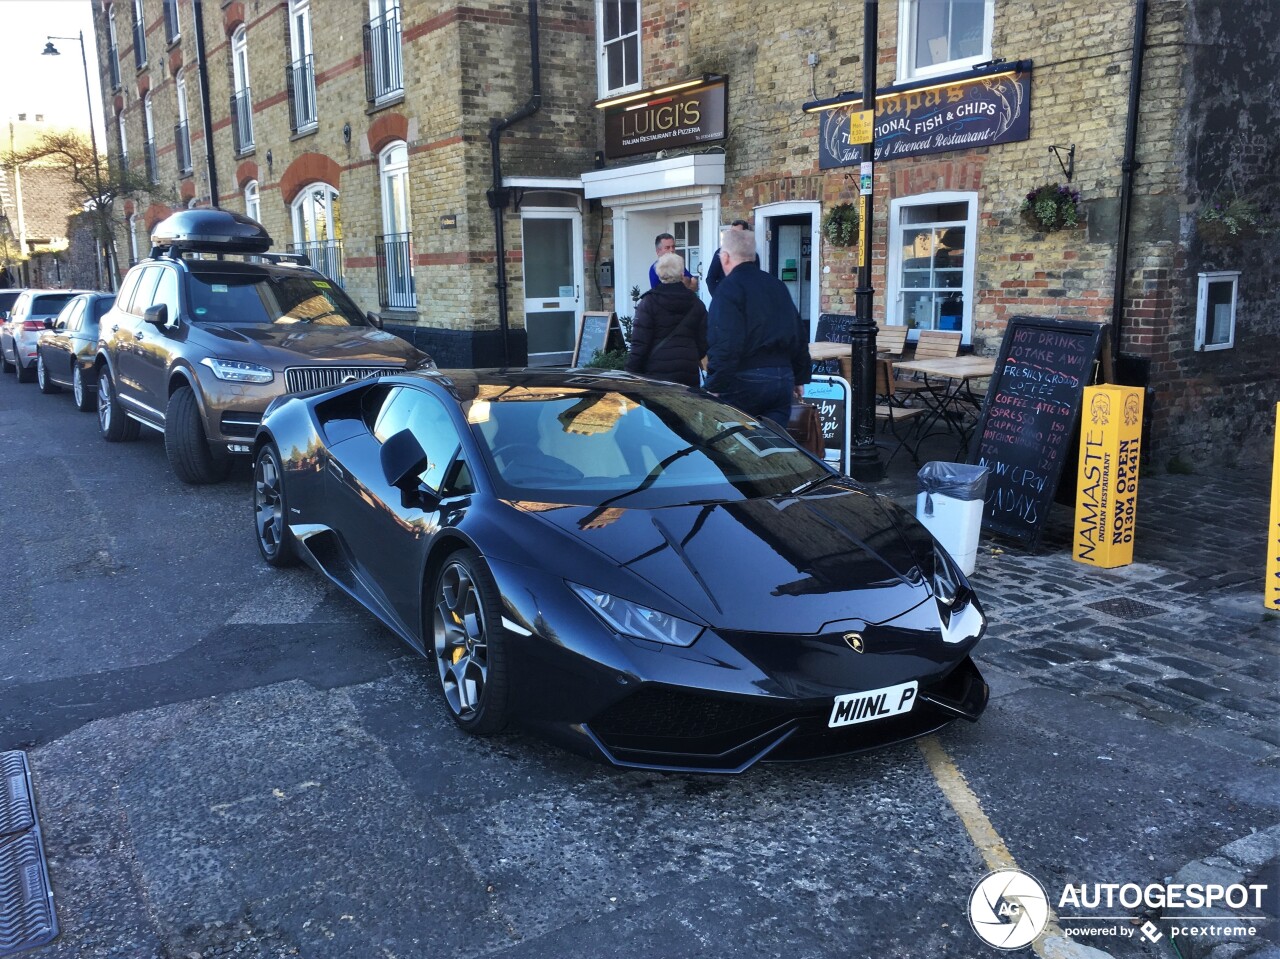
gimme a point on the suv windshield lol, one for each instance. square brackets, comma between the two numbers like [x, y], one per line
[258, 299]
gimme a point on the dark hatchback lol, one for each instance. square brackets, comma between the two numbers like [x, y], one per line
[65, 350]
[633, 569]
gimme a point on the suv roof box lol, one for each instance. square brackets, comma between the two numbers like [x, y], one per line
[211, 231]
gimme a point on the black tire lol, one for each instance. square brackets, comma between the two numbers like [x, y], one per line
[468, 643]
[26, 374]
[86, 401]
[270, 510]
[114, 426]
[42, 376]
[190, 455]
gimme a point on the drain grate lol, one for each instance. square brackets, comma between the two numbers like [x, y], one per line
[1123, 608]
[26, 901]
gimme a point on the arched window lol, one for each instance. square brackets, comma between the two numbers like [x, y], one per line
[242, 104]
[317, 229]
[149, 136]
[124, 142]
[181, 131]
[395, 260]
[113, 61]
[133, 239]
[252, 208]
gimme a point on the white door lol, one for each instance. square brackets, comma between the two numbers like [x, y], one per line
[552, 243]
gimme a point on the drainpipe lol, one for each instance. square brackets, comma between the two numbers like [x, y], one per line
[204, 104]
[1128, 169]
[500, 197]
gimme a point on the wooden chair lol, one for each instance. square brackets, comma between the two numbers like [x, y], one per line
[891, 340]
[892, 412]
[932, 345]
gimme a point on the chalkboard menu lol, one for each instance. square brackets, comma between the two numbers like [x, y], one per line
[599, 331]
[1029, 417]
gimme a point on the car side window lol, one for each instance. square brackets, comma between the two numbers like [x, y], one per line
[167, 293]
[127, 289]
[74, 316]
[427, 417]
[144, 295]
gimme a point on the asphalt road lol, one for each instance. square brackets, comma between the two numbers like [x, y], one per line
[235, 761]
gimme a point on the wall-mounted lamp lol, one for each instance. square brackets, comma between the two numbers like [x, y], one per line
[1068, 168]
[832, 103]
[346, 133]
[269, 158]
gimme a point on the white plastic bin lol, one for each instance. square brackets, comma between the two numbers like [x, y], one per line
[949, 505]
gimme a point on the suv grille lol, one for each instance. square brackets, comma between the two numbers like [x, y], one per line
[299, 379]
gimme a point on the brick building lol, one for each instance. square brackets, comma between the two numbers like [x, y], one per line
[483, 174]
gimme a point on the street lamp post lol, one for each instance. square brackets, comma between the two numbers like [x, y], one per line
[51, 50]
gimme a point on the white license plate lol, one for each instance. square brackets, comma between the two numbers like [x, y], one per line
[873, 704]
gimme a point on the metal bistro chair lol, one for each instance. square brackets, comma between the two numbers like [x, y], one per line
[891, 412]
[932, 345]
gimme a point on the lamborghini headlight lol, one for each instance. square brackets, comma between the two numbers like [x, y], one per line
[958, 610]
[640, 622]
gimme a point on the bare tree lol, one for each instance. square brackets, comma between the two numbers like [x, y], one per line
[97, 184]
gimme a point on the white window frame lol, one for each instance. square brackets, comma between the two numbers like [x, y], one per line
[140, 19]
[124, 141]
[300, 40]
[115, 44]
[133, 238]
[393, 164]
[907, 70]
[895, 290]
[252, 201]
[602, 62]
[305, 214]
[390, 57]
[1202, 309]
[240, 59]
[180, 91]
[148, 120]
[177, 20]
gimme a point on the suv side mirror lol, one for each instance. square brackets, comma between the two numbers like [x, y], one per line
[157, 315]
[374, 320]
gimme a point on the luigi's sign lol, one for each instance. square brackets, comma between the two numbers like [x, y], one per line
[683, 115]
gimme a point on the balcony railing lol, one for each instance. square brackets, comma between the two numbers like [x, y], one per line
[153, 167]
[301, 77]
[383, 67]
[395, 272]
[242, 121]
[171, 20]
[325, 256]
[139, 45]
[113, 64]
[182, 147]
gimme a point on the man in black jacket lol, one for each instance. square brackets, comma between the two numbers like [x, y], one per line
[757, 353]
[715, 272]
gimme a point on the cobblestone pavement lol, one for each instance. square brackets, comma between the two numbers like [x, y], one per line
[1180, 637]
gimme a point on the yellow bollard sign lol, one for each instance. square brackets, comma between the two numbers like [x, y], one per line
[1107, 491]
[1271, 592]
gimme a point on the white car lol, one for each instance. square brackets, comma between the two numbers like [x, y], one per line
[20, 332]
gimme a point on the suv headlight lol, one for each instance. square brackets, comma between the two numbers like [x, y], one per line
[236, 371]
[641, 622]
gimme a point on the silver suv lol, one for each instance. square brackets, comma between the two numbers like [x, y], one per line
[197, 347]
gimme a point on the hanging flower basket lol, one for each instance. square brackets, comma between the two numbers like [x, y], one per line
[1053, 206]
[1228, 222]
[840, 225]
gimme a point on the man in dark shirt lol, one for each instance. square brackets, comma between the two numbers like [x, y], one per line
[665, 243]
[715, 272]
[757, 353]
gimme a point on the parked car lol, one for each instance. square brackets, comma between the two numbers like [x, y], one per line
[197, 348]
[26, 319]
[631, 568]
[66, 349]
[7, 298]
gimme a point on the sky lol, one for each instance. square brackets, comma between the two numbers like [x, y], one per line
[53, 86]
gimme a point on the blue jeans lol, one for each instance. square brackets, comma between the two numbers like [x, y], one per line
[763, 392]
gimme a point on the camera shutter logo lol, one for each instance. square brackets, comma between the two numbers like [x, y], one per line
[1008, 909]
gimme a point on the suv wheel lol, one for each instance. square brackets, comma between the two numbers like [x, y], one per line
[114, 426]
[42, 377]
[185, 443]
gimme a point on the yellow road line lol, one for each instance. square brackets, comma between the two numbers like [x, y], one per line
[1051, 943]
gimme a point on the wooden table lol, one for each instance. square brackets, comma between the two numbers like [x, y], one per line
[949, 392]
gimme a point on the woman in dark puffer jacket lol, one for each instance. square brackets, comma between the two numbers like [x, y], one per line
[669, 334]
